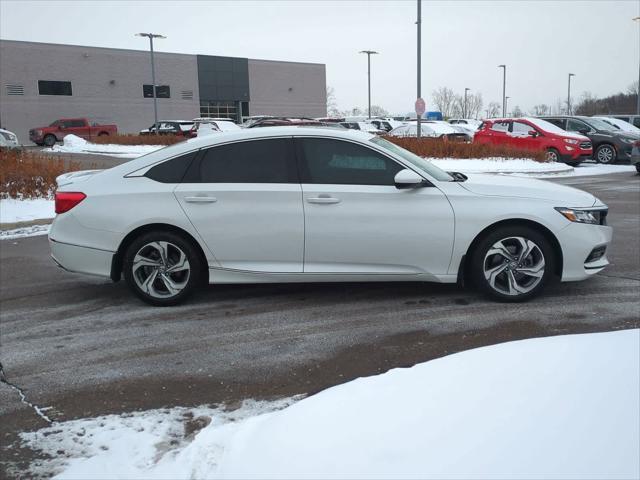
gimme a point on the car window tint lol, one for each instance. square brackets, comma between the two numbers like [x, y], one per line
[636, 122]
[576, 125]
[558, 122]
[255, 161]
[326, 161]
[500, 126]
[171, 171]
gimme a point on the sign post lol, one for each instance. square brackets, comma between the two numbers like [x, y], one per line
[420, 109]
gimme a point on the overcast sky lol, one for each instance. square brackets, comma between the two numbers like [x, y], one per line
[463, 42]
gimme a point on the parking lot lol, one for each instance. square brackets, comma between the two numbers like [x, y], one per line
[85, 346]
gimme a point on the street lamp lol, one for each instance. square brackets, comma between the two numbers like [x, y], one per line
[369, 53]
[151, 36]
[637, 19]
[569, 94]
[464, 114]
[504, 90]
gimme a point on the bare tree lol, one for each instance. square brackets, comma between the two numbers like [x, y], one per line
[516, 112]
[444, 99]
[493, 109]
[558, 107]
[541, 109]
[474, 105]
[633, 88]
[332, 105]
[378, 111]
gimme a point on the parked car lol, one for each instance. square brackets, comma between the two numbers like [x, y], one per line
[215, 124]
[248, 121]
[632, 119]
[319, 205]
[81, 127]
[609, 143]
[466, 121]
[8, 139]
[285, 121]
[364, 127]
[384, 125]
[429, 128]
[535, 134]
[620, 124]
[170, 127]
[635, 155]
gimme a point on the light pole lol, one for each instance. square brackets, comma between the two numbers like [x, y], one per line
[369, 53]
[464, 114]
[569, 94]
[151, 36]
[419, 66]
[637, 19]
[504, 89]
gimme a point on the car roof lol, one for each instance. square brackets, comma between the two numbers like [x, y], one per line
[238, 135]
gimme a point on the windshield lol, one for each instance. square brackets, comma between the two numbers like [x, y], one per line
[598, 124]
[418, 162]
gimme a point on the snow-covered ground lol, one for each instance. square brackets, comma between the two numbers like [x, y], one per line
[30, 231]
[526, 167]
[74, 144]
[557, 407]
[12, 210]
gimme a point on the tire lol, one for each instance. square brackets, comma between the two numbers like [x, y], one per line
[573, 164]
[638, 167]
[49, 140]
[510, 278]
[158, 282]
[605, 154]
[553, 155]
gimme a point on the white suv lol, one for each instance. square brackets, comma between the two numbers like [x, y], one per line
[300, 204]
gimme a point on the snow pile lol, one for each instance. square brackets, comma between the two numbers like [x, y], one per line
[75, 144]
[12, 210]
[32, 231]
[557, 407]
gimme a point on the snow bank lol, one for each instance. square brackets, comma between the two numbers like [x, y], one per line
[74, 144]
[557, 407]
[12, 210]
[32, 231]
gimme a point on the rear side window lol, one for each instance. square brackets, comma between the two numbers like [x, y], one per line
[326, 161]
[255, 161]
[558, 122]
[171, 171]
[500, 126]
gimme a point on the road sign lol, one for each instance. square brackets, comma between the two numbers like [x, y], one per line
[420, 107]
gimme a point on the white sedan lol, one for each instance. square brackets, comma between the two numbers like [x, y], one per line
[8, 139]
[301, 204]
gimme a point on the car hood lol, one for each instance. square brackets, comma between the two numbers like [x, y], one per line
[507, 186]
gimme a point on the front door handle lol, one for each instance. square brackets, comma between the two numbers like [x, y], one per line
[323, 199]
[200, 199]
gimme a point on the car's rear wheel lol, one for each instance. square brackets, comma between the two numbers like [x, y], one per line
[162, 268]
[638, 167]
[553, 155]
[512, 264]
[50, 140]
[605, 154]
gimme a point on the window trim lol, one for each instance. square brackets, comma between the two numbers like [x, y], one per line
[300, 160]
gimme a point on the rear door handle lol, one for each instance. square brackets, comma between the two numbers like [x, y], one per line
[200, 199]
[323, 199]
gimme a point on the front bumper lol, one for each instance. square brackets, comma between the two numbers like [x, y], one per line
[578, 241]
[77, 259]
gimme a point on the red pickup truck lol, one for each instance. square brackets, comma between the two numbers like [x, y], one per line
[59, 129]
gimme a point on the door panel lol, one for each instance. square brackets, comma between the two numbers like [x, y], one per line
[245, 200]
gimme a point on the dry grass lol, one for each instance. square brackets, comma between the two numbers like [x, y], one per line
[138, 139]
[438, 148]
[25, 174]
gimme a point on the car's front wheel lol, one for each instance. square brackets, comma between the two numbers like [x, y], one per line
[513, 264]
[162, 268]
[553, 155]
[49, 140]
[605, 154]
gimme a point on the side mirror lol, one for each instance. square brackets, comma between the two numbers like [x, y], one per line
[583, 131]
[533, 133]
[409, 179]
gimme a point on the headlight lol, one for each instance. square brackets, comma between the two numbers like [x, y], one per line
[571, 141]
[580, 216]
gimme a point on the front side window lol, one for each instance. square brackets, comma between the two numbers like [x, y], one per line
[521, 128]
[500, 126]
[52, 87]
[576, 125]
[328, 161]
[255, 161]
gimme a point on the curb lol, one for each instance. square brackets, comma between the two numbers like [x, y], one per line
[29, 223]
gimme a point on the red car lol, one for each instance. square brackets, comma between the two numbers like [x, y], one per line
[59, 129]
[538, 135]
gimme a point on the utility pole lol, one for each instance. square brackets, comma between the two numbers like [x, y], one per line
[151, 36]
[369, 53]
[464, 114]
[569, 94]
[419, 65]
[504, 90]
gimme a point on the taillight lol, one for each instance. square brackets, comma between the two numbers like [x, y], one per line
[65, 201]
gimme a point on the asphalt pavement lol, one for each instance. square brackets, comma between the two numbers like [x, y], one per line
[84, 346]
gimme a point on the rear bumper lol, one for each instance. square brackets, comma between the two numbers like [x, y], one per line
[77, 259]
[577, 242]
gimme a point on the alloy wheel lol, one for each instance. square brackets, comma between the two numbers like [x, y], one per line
[161, 269]
[514, 266]
[552, 156]
[605, 155]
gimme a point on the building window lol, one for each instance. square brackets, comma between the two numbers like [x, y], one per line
[51, 87]
[162, 91]
[14, 89]
[218, 110]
